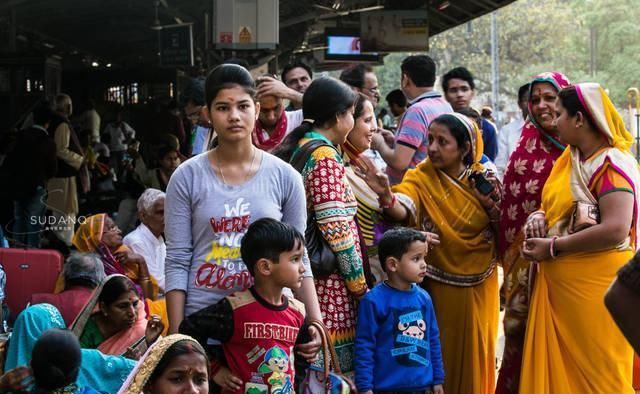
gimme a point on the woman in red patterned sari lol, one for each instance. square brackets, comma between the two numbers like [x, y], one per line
[527, 171]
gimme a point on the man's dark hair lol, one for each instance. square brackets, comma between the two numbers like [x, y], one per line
[458, 73]
[267, 238]
[42, 113]
[354, 75]
[523, 92]
[421, 69]
[397, 97]
[193, 92]
[396, 242]
[291, 66]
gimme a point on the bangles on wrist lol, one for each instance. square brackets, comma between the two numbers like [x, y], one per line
[553, 252]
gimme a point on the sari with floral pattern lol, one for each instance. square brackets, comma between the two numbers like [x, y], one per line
[527, 171]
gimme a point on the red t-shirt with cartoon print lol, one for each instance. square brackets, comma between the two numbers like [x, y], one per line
[257, 338]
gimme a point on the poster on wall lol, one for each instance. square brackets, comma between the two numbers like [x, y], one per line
[394, 31]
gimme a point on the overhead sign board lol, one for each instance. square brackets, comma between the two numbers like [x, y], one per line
[394, 31]
[176, 45]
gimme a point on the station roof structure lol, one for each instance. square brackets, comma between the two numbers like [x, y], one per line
[125, 32]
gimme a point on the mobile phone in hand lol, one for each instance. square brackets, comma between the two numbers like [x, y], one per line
[482, 184]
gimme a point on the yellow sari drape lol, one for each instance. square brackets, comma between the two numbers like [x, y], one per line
[462, 281]
[572, 344]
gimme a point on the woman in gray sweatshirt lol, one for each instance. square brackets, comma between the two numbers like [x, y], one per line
[213, 198]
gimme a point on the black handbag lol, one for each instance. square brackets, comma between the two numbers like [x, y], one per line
[323, 260]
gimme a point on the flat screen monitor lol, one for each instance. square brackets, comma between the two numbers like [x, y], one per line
[344, 45]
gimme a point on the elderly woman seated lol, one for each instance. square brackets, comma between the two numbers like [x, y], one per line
[146, 240]
[82, 273]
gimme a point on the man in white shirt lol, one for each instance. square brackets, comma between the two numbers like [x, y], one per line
[510, 134]
[147, 240]
[119, 134]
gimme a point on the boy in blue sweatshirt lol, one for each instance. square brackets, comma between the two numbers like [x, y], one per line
[397, 338]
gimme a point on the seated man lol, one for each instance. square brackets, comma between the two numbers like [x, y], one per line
[146, 240]
[82, 273]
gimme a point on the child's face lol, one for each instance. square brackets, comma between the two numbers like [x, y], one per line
[289, 269]
[412, 268]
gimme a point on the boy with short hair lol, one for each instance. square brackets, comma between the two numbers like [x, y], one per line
[397, 343]
[258, 327]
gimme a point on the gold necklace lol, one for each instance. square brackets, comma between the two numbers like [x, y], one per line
[246, 177]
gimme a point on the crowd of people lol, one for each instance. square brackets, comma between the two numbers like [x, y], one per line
[282, 232]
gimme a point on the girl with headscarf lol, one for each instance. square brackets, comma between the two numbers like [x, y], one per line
[439, 196]
[101, 372]
[527, 171]
[174, 361]
[572, 344]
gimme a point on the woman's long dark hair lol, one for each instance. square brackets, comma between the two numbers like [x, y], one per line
[323, 100]
[55, 360]
[227, 76]
[358, 106]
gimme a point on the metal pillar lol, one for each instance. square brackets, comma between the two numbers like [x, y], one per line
[495, 67]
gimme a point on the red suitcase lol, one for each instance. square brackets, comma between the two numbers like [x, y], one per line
[28, 271]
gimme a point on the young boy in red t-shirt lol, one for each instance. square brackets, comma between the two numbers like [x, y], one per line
[258, 327]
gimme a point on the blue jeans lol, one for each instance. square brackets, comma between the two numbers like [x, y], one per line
[29, 214]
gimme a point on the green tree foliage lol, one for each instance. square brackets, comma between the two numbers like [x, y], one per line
[541, 35]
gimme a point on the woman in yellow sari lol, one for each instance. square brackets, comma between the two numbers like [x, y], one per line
[99, 234]
[439, 196]
[572, 344]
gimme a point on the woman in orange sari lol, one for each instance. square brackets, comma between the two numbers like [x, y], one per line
[440, 197]
[572, 344]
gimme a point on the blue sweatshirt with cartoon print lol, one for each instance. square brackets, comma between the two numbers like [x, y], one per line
[397, 337]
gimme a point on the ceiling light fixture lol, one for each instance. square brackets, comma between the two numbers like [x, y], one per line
[443, 5]
[95, 64]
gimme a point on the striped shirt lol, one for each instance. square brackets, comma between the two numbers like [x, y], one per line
[414, 128]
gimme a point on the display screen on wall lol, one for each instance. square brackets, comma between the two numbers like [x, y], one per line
[394, 31]
[344, 45]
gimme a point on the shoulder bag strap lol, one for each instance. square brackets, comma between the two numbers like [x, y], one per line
[299, 159]
[328, 349]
